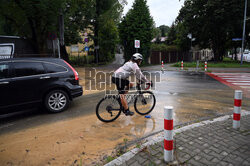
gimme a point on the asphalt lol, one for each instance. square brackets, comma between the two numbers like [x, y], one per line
[211, 142]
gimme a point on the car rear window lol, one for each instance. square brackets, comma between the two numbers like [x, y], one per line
[4, 70]
[54, 68]
[27, 68]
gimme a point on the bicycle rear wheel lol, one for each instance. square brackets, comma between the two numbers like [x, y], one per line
[144, 103]
[108, 109]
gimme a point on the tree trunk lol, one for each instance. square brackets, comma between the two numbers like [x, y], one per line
[64, 54]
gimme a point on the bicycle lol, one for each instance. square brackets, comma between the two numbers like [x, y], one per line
[109, 108]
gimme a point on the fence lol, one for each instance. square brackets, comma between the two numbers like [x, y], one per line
[176, 56]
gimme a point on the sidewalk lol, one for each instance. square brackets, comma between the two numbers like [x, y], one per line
[212, 142]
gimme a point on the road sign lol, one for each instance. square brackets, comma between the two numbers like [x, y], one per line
[236, 39]
[52, 36]
[86, 48]
[137, 43]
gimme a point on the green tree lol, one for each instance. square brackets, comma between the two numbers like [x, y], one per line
[33, 19]
[213, 23]
[107, 14]
[137, 25]
[164, 30]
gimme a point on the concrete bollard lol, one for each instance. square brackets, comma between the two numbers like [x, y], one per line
[205, 66]
[237, 109]
[181, 65]
[162, 65]
[168, 133]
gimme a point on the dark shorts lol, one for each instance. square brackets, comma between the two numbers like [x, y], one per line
[120, 84]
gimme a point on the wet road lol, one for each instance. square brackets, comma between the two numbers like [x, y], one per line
[77, 136]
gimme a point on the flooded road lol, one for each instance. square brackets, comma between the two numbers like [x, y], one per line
[77, 137]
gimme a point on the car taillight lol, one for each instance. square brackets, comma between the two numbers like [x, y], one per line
[75, 72]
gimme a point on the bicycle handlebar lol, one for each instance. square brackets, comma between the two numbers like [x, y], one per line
[148, 84]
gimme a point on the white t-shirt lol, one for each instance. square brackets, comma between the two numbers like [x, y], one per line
[128, 69]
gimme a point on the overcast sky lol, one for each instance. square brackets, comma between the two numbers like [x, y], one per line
[163, 12]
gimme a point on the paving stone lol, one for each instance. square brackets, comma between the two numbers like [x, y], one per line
[222, 163]
[193, 162]
[204, 161]
[245, 163]
[224, 153]
[206, 151]
[197, 157]
[140, 159]
[131, 161]
[215, 160]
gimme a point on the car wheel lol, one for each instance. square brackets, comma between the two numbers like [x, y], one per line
[56, 101]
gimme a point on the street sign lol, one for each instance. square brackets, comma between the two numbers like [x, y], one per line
[86, 48]
[52, 36]
[74, 48]
[137, 43]
[236, 39]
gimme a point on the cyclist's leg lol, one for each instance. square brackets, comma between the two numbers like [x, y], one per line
[122, 91]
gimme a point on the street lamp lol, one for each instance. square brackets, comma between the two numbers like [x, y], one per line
[243, 35]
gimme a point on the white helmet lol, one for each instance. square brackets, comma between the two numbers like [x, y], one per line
[137, 56]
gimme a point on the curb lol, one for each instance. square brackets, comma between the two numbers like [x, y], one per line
[155, 139]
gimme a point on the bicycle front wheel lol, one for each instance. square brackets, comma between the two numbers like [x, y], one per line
[108, 109]
[144, 103]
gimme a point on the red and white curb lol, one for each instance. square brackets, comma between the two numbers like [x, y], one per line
[160, 137]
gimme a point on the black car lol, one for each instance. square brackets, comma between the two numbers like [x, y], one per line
[31, 82]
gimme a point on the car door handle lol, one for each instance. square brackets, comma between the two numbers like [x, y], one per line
[46, 77]
[2, 83]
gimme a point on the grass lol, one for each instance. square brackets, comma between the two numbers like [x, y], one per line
[226, 63]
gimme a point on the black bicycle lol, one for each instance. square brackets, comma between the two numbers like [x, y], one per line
[109, 108]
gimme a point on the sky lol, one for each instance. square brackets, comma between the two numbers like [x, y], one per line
[163, 12]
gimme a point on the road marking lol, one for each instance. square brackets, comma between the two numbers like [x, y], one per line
[237, 81]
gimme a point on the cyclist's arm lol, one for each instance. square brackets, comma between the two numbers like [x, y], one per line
[139, 74]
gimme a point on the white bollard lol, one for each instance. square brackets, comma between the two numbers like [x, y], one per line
[168, 133]
[205, 66]
[237, 109]
[162, 65]
[181, 65]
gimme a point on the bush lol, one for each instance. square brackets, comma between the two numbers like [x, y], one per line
[81, 60]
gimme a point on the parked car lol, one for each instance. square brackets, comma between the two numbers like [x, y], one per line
[29, 82]
[246, 55]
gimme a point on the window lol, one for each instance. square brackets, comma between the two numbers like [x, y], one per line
[54, 68]
[27, 68]
[4, 70]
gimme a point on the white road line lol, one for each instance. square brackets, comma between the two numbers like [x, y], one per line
[240, 83]
[228, 73]
[245, 87]
[236, 78]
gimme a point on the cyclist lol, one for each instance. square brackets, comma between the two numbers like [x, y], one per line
[120, 78]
